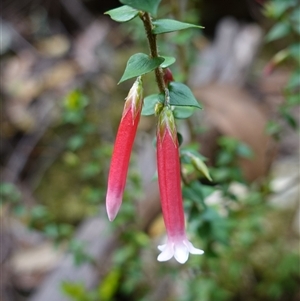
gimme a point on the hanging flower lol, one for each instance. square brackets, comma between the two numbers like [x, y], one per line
[122, 149]
[168, 166]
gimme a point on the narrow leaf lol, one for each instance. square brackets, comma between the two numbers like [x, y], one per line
[276, 9]
[295, 20]
[201, 167]
[123, 14]
[278, 31]
[169, 25]
[140, 64]
[149, 6]
[294, 50]
[169, 60]
[181, 95]
[294, 80]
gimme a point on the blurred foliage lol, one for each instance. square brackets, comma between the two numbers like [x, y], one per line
[9, 194]
[249, 254]
[84, 156]
[286, 18]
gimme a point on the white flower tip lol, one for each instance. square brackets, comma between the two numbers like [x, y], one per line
[167, 252]
[180, 250]
[192, 249]
[112, 212]
[181, 254]
[161, 248]
[198, 252]
[112, 207]
[111, 217]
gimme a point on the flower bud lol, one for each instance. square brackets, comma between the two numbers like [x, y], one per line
[168, 76]
[122, 149]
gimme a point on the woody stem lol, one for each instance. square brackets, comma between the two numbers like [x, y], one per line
[146, 18]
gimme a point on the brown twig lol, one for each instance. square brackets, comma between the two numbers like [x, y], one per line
[146, 18]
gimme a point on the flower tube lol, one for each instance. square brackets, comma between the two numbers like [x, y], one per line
[168, 167]
[122, 149]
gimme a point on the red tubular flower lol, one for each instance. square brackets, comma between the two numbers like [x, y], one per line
[168, 167]
[122, 149]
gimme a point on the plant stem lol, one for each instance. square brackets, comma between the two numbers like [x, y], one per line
[146, 18]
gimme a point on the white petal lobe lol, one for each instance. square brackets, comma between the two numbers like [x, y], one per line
[179, 248]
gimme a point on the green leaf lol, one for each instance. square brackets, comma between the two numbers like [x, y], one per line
[90, 170]
[109, 285]
[294, 80]
[293, 100]
[278, 31]
[196, 192]
[140, 64]
[289, 118]
[181, 95]
[197, 162]
[244, 151]
[75, 142]
[273, 128]
[179, 138]
[9, 193]
[183, 112]
[295, 20]
[182, 37]
[191, 151]
[149, 6]
[149, 104]
[201, 167]
[73, 290]
[169, 25]
[75, 101]
[123, 14]
[169, 60]
[276, 9]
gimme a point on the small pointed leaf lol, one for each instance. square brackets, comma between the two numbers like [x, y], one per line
[179, 138]
[181, 112]
[197, 161]
[149, 104]
[169, 25]
[294, 51]
[140, 64]
[201, 167]
[123, 14]
[278, 31]
[149, 6]
[169, 60]
[181, 95]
